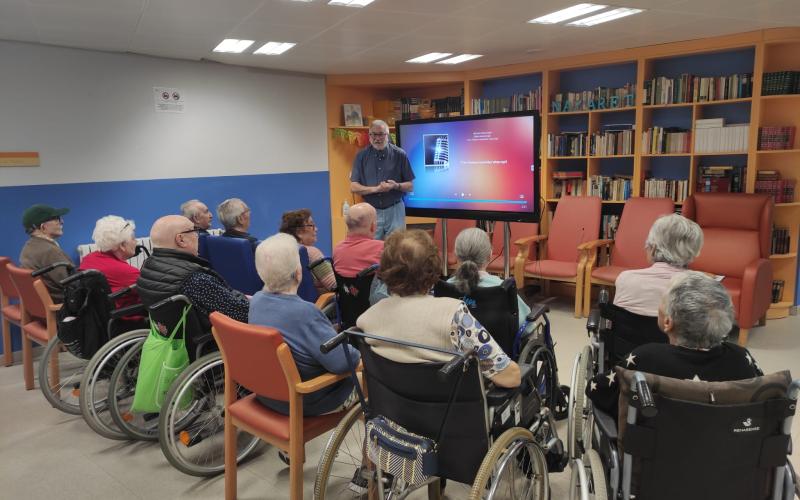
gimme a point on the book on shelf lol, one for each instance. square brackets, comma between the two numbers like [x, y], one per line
[775, 138]
[528, 101]
[608, 226]
[666, 140]
[617, 188]
[567, 144]
[777, 291]
[613, 139]
[770, 182]
[691, 88]
[781, 240]
[713, 136]
[721, 179]
[781, 82]
[568, 183]
[676, 189]
[416, 108]
[599, 98]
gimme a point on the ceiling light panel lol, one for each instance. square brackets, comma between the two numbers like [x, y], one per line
[459, 59]
[605, 17]
[351, 3]
[233, 46]
[578, 10]
[427, 58]
[274, 48]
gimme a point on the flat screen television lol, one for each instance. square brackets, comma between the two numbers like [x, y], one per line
[474, 167]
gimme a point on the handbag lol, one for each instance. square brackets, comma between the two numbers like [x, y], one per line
[163, 359]
[399, 452]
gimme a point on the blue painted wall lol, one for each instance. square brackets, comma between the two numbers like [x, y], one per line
[506, 87]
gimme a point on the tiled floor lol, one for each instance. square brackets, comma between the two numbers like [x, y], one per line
[50, 455]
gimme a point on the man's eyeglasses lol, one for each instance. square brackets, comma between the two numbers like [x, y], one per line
[58, 219]
[378, 134]
[194, 230]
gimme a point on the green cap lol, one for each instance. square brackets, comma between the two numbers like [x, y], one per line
[39, 214]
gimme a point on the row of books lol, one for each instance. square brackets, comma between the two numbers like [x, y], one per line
[568, 183]
[517, 102]
[713, 136]
[608, 226]
[415, 108]
[721, 179]
[772, 138]
[611, 142]
[567, 144]
[610, 188]
[777, 291]
[448, 106]
[677, 190]
[666, 140]
[770, 182]
[599, 98]
[691, 88]
[781, 241]
[781, 82]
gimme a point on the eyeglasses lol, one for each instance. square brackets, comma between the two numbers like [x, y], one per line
[378, 134]
[58, 219]
[194, 230]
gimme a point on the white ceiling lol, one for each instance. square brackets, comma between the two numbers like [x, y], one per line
[374, 39]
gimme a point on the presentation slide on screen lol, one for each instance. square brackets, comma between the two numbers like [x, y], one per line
[483, 164]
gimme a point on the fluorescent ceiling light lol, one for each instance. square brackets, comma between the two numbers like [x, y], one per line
[351, 3]
[233, 45]
[569, 13]
[429, 57]
[460, 59]
[605, 17]
[274, 48]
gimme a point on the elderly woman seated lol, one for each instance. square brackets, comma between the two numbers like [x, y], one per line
[410, 267]
[116, 243]
[672, 244]
[696, 314]
[473, 250]
[303, 327]
[300, 224]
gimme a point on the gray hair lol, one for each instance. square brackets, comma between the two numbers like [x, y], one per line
[228, 211]
[110, 231]
[277, 262]
[473, 250]
[700, 308]
[674, 239]
[380, 123]
[191, 209]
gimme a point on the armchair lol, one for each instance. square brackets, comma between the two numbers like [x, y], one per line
[519, 230]
[454, 226]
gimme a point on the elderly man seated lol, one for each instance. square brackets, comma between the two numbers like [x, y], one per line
[696, 314]
[234, 214]
[359, 249]
[303, 327]
[197, 212]
[44, 225]
[174, 268]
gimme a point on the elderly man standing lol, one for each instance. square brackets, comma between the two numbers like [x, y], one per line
[174, 268]
[359, 249]
[44, 225]
[234, 214]
[197, 212]
[381, 174]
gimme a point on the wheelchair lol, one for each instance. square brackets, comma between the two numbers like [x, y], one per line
[692, 440]
[494, 448]
[351, 294]
[532, 344]
[613, 333]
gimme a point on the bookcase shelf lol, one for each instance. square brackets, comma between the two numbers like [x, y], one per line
[780, 97]
[610, 156]
[719, 102]
[665, 155]
[788, 205]
[777, 256]
[722, 153]
[777, 151]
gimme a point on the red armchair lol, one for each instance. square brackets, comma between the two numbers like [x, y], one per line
[519, 230]
[454, 226]
[626, 250]
[736, 231]
[576, 221]
[12, 314]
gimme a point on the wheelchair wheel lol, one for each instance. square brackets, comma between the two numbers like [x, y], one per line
[588, 479]
[544, 372]
[577, 406]
[60, 374]
[513, 468]
[341, 457]
[192, 420]
[93, 398]
[137, 426]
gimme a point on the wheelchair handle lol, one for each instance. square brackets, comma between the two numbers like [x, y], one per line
[454, 364]
[536, 311]
[49, 268]
[170, 300]
[333, 343]
[647, 406]
[119, 293]
[128, 311]
[139, 249]
[77, 276]
[366, 272]
[603, 297]
[593, 323]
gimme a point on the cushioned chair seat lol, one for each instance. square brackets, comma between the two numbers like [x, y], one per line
[253, 414]
[608, 273]
[12, 313]
[734, 288]
[37, 330]
[552, 268]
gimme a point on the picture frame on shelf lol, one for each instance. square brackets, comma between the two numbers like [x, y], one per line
[352, 115]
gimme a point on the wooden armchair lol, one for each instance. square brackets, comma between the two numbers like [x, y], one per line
[12, 314]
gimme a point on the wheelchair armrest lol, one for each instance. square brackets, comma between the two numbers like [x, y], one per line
[496, 396]
[593, 323]
[537, 310]
[606, 424]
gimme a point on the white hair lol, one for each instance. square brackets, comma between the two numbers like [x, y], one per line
[191, 209]
[229, 211]
[473, 250]
[110, 231]
[700, 308]
[277, 262]
[674, 239]
[379, 123]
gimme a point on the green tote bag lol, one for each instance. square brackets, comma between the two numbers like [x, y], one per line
[163, 359]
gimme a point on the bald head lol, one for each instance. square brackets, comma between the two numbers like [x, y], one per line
[174, 232]
[361, 219]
